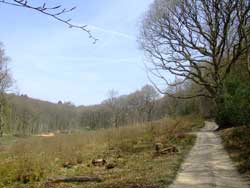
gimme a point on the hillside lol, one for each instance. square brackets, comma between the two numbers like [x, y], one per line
[27, 116]
[30, 116]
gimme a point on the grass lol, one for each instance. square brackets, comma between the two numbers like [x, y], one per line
[28, 162]
[237, 143]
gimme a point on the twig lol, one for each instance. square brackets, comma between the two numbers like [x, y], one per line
[55, 12]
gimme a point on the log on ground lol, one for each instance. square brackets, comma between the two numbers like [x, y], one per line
[73, 179]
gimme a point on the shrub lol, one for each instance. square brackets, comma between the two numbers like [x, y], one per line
[234, 104]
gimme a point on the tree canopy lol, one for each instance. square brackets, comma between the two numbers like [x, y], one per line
[196, 41]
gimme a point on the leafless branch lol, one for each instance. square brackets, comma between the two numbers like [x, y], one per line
[55, 12]
[196, 40]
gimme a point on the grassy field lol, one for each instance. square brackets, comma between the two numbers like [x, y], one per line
[29, 162]
[237, 143]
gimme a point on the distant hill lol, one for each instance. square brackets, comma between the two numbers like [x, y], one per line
[32, 116]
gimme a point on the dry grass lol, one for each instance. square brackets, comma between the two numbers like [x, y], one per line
[237, 143]
[29, 162]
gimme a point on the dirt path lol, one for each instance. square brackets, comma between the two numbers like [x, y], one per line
[208, 165]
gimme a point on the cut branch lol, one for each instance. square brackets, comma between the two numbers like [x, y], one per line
[74, 179]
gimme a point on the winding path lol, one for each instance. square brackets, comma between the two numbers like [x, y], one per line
[208, 165]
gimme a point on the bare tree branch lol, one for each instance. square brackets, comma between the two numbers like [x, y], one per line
[55, 12]
[197, 41]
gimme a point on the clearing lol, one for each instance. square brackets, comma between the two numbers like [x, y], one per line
[132, 160]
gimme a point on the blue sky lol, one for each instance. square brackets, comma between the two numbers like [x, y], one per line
[51, 62]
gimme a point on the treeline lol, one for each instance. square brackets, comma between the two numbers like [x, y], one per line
[23, 115]
[141, 106]
[31, 116]
[26, 116]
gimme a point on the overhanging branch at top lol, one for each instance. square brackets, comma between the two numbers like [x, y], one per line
[55, 12]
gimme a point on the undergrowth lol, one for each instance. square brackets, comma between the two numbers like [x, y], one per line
[237, 143]
[29, 162]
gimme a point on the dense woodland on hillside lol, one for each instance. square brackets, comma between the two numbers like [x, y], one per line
[26, 116]
[30, 116]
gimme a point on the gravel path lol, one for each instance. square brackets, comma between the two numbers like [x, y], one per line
[208, 164]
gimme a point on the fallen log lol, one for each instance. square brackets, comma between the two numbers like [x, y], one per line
[73, 179]
[169, 150]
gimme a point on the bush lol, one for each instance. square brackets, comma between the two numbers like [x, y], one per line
[233, 107]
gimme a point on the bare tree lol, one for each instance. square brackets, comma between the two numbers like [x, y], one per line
[114, 106]
[150, 96]
[5, 76]
[197, 41]
[5, 83]
[56, 12]
[112, 96]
